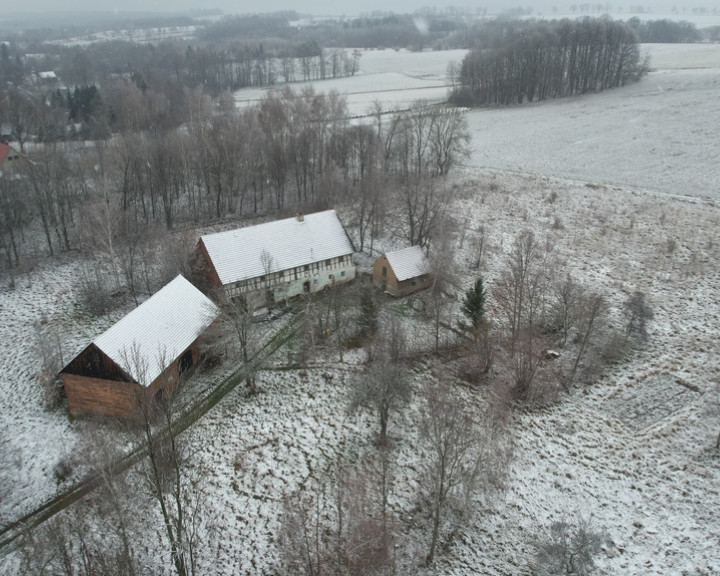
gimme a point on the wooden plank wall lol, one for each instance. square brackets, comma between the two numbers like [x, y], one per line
[88, 395]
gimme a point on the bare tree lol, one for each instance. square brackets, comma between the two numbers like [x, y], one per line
[334, 525]
[594, 308]
[50, 348]
[237, 319]
[425, 202]
[449, 139]
[114, 491]
[637, 314]
[481, 354]
[441, 293]
[454, 460]
[12, 213]
[569, 549]
[525, 359]
[384, 387]
[167, 465]
[520, 288]
[102, 224]
[567, 297]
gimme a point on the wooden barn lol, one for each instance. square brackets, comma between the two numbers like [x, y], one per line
[402, 272]
[273, 262]
[139, 360]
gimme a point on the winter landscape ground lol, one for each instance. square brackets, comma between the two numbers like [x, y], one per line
[622, 189]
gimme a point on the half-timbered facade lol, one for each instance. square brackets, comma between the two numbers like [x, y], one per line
[273, 262]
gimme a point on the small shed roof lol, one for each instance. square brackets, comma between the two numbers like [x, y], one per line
[151, 337]
[254, 251]
[47, 75]
[408, 263]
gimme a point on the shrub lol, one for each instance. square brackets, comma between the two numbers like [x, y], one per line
[569, 549]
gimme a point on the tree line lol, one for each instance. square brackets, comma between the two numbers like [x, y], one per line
[664, 31]
[542, 60]
[293, 151]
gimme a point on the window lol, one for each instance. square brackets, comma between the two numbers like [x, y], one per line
[342, 273]
[384, 272]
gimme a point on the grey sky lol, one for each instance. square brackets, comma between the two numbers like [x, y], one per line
[318, 7]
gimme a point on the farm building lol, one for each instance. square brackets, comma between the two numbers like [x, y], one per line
[270, 263]
[402, 272]
[140, 359]
[7, 153]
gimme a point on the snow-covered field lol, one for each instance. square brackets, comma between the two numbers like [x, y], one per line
[395, 78]
[658, 134]
[148, 35]
[635, 450]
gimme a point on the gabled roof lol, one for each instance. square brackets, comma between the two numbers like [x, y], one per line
[151, 337]
[275, 246]
[408, 263]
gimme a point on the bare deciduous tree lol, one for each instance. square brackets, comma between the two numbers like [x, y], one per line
[384, 387]
[637, 314]
[567, 296]
[167, 466]
[593, 308]
[460, 458]
[441, 294]
[569, 549]
[334, 525]
[519, 290]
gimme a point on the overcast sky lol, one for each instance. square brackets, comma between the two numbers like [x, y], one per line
[318, 7]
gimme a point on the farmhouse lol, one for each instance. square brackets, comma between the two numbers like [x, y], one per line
[139, 360]
[402, 272]
[270, 263]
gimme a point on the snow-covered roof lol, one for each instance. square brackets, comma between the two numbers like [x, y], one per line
[408, 263]
[280, 245]
[151, 337]
[49, 75]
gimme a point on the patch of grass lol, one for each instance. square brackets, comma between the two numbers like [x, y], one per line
[403, 309]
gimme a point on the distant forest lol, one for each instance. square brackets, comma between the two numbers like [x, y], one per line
[527, 61]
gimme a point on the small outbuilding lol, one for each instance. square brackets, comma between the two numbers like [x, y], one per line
[269, 263]
[7, 153]
[138, 362]
[402, 272]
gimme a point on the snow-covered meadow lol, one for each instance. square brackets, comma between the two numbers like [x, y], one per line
[635, 209]
[634, 451]
[394, 78]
